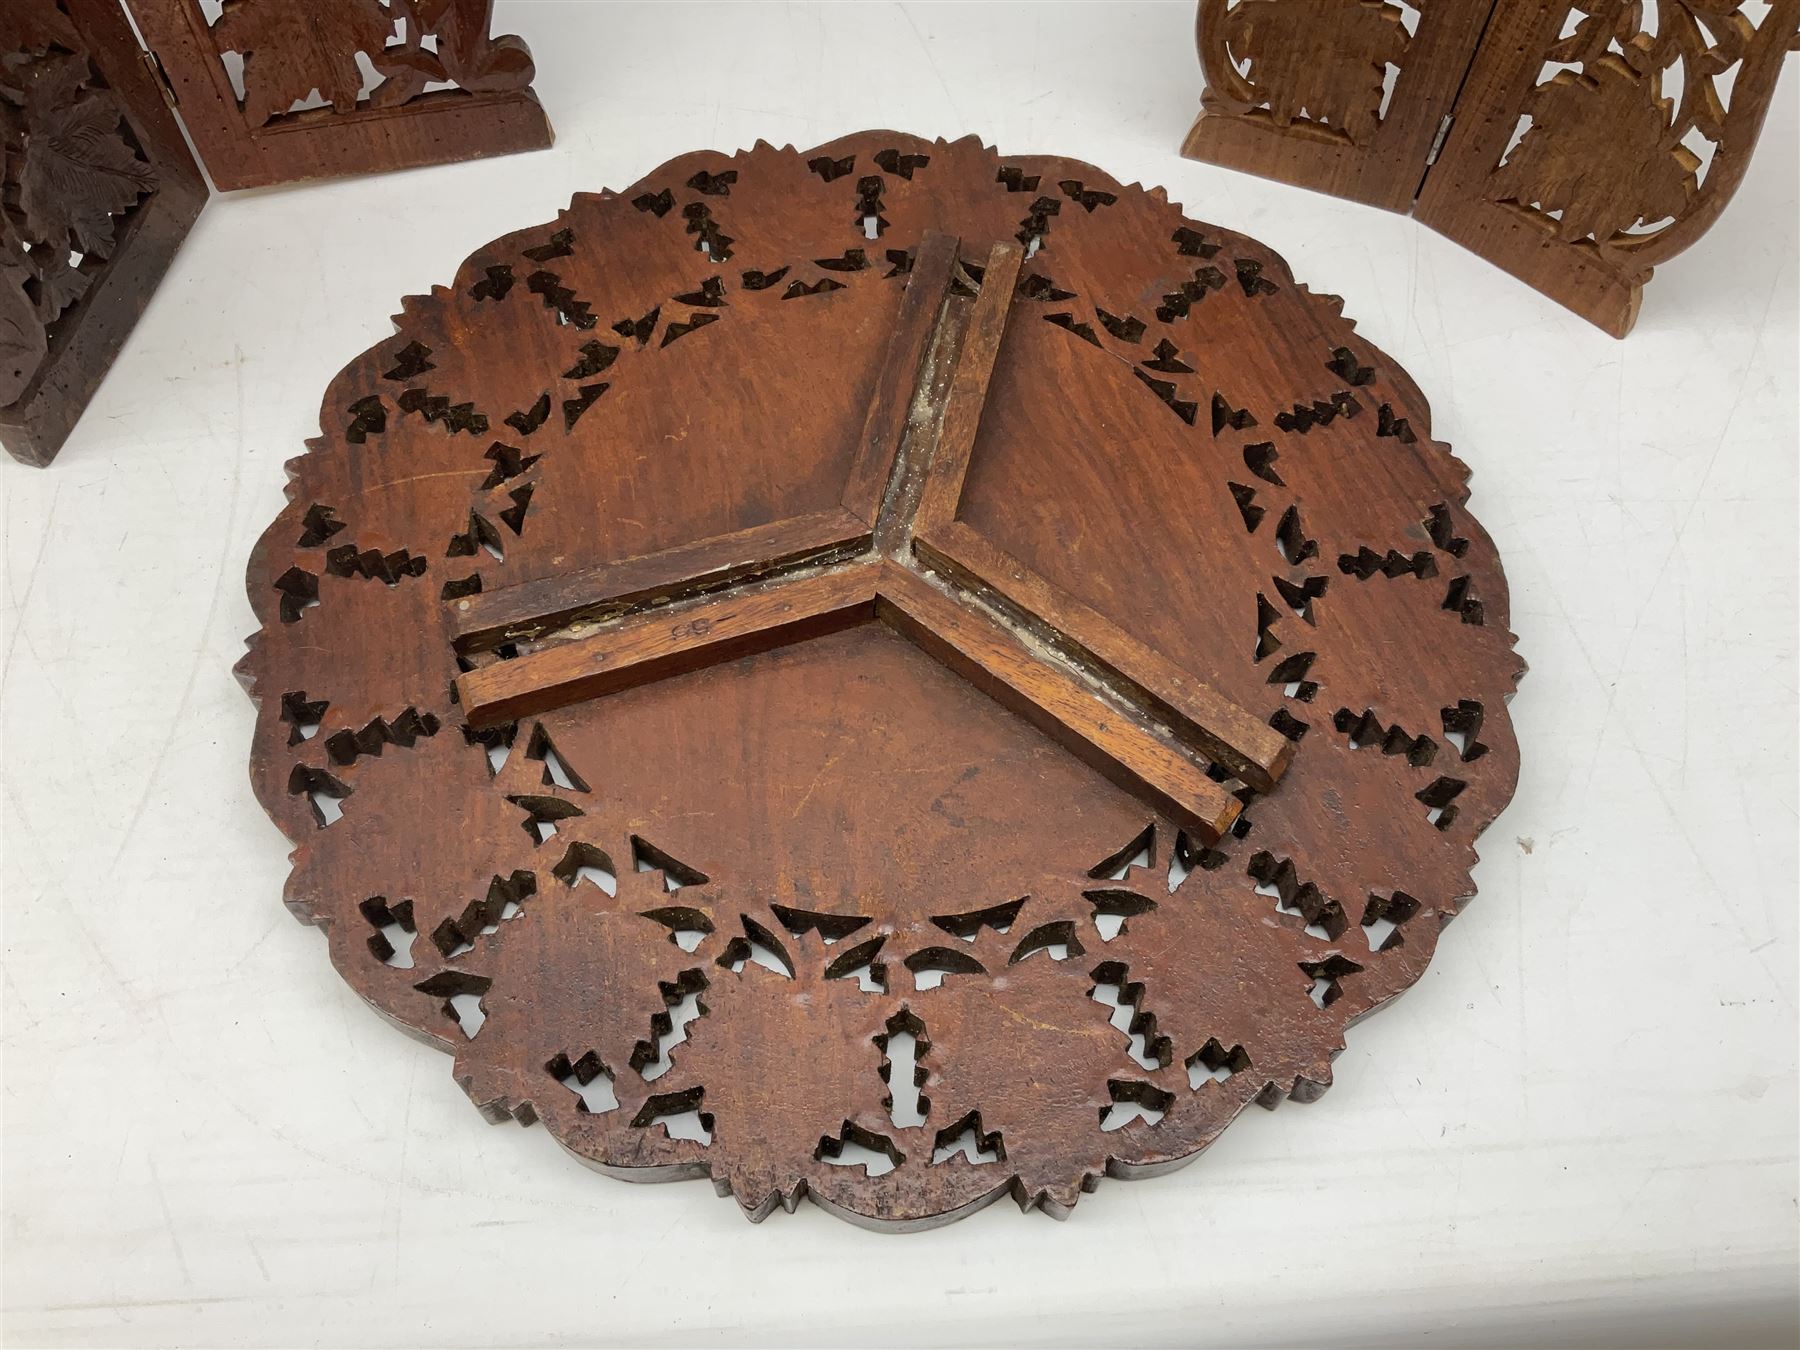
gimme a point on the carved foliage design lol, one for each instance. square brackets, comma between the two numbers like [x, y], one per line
[1631, 95]
[1577, 145]
[72, 175]
[827, 921]
[292, 51]
[1323, 65]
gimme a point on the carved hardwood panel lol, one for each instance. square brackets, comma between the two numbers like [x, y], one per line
[274, 91]
[892, 674]
[1602, 139]
[1344, 96]
[1576, 145]
[97, 192]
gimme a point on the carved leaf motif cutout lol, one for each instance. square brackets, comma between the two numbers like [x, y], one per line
[994, 1039]
[78, 173]
[465, 53]
[292, 49]
[1282, 42]
[1595, 152]
[861, 864]
[68, 178]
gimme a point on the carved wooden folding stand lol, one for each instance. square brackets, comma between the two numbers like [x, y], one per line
[1576, 145]
[97, 192]
[443, 88]
[889, 674]
[100, 189]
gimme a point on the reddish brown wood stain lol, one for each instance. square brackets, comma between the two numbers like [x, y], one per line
[1579, 146]
[861, 601]
[445, 88]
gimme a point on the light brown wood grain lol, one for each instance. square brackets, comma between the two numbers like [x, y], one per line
[1379, 163]
[1604, 152]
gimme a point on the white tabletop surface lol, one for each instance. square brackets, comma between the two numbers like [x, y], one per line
[1580, 1127]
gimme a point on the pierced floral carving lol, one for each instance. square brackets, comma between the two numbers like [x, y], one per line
[466, 54]
[1614, 131]
[827, 920]
[1595, 155]
[72, 176]
[1297, 60]
[292, 50]
[1606, 155]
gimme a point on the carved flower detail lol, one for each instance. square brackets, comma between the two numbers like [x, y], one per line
[1326, 61]
[1597, 151]
[78, 173]
[292, 49]
[67, 174]
[465, 54]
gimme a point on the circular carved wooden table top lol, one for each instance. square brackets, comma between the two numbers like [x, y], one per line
[892, 673]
